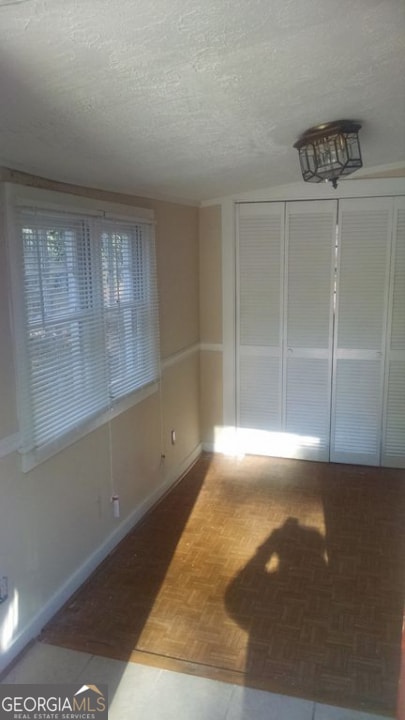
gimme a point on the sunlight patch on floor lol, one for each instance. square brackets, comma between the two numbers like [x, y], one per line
[242, 441]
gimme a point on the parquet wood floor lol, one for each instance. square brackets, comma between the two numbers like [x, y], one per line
[280, 574]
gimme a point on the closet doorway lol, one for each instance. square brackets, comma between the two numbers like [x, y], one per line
[320, 346]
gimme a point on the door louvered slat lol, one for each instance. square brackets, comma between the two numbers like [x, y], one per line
[394, 421]
[310, 248]
[362, 281]
[362, 297]
[311, 241]
[308, 407]
[394, 441]
[358, 392]
[261, 230]
[260, 274]
[260, 401]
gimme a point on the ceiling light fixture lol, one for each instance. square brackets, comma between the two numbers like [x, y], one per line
[329, 151]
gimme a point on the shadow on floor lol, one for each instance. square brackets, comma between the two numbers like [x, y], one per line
[107, 615]
[323, 611]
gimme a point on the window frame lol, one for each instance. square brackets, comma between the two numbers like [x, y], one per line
[15, 197]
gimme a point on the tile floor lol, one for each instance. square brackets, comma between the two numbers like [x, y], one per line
[139, 692]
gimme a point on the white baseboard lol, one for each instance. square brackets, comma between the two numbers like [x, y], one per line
[34, 627]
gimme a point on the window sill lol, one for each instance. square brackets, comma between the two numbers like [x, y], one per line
[31, 459]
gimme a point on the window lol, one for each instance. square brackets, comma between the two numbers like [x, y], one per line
[89, 319]
[130, 310]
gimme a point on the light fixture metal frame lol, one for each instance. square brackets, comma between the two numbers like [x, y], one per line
[330, 151]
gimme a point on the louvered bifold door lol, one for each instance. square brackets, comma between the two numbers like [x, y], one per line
[259, 326]
[393, 447]
[309, 278]
[360, 329]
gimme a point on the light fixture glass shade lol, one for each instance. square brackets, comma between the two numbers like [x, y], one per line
[329, 151]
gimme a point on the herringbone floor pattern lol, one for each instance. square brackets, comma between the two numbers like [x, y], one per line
[281, 574]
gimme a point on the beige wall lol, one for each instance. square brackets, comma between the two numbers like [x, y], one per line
[182, 417]
[211, 409]
[55, 518]
[210, 232]
[177, 254]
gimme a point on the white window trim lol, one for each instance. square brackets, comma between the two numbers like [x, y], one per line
[14, 196]
[52, 200]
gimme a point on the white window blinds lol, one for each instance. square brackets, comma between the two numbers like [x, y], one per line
[89, 320]
[131, 306]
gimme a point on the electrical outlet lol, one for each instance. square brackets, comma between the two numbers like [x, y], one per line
[3, 588]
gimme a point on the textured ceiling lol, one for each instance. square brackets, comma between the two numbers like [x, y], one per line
[194, 99]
